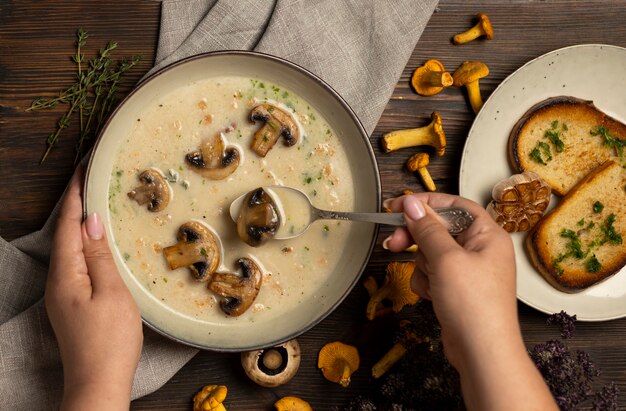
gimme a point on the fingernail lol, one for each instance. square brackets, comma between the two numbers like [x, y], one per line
[94, 226]
[387, 203]
[386, 242]
[413, 208]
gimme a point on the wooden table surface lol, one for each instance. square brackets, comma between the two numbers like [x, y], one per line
[37, 38]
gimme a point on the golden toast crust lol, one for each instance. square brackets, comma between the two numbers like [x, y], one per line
[576, 212]
[582, 152]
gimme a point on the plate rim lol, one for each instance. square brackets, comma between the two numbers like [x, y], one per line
[481, 113]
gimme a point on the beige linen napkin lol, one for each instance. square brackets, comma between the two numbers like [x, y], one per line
[359, 47]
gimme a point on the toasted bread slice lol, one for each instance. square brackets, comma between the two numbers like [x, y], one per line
[583, 240]
[534, 140]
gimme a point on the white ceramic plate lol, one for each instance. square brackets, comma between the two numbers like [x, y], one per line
[238, 335]
[590, 72]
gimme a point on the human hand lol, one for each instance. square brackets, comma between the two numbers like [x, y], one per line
[471, 282]
[94, 317]
[470, 279]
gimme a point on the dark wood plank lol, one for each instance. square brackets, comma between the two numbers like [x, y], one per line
[36, 39]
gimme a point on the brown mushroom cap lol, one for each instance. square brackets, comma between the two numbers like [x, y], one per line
[209, 397]
[239, 291]
[153, 190]
[469, 72]
[273, 366]
[292, 404]
[417, 161]
[258, 218]
[431, 78]
[276, 123]
[197, 248]
[338, 361]
[485, 24]
[214, 161]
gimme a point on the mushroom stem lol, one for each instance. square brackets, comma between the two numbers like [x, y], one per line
[345, 376]
[389, 359]
[437, 79]
[468, 35]
[473, 91]
[375, 301]
[427, 179]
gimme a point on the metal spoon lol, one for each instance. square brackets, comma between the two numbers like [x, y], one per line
[297, 213]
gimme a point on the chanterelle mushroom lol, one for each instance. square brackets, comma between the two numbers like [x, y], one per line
[431, 78]
[214, 161]
[396, 288]
[153, 190]
[482, 28]
[276, 123]
[197, 249]
[405, 339]
[210, 398]
[417, 163]
[468, 75]
[292, 404]
[239, 291]
[258, 218]
[430, 135]
[273, 366]
[338, 361]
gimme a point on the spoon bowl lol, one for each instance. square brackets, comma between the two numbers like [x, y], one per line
[297, 213]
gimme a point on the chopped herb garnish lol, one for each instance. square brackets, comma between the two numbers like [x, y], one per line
[326, 227]
[581, 222]
[307, 248]
[126, 256]
[598, 207]
[541, 150]
[593, 265]
[165, 280]
[610, 234]
[203, 252]
[609, 140]
[308, 179]
[555, 124]
[564, 127]
[555, 138]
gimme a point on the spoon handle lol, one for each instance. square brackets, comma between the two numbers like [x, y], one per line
[458, 219]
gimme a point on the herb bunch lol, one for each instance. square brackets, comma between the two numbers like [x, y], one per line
[570, 376]
[93, 96]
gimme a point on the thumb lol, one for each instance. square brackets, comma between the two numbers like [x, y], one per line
[427, 229]
[100, 265]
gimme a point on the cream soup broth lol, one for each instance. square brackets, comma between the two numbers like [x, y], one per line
[175, 125]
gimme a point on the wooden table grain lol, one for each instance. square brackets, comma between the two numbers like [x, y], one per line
[36, 40]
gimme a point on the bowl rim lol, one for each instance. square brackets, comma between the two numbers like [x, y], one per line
[334, 94]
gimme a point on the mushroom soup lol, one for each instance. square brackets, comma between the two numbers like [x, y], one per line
[168, 135]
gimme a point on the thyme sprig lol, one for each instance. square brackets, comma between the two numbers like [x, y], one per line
[93, 95]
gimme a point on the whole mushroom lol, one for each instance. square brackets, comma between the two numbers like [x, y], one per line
[468, 75]
[273, 366]
[276, 123]
[429, 135]
[431, 78]
[258, 218]
[482, 28]
[214, 161]
[417, 163]
[153, 191]
[239, 291]
[197, 248]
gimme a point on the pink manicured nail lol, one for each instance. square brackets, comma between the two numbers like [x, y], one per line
[94, 226]
[387, 203]
[413, 208]
[386, 242]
